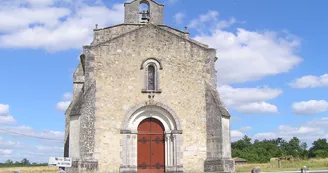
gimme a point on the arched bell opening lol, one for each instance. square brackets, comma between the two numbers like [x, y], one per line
[144, 11]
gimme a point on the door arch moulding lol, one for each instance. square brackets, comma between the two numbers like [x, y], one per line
[173, 136]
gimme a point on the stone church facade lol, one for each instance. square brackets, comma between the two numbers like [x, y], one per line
[145, 100]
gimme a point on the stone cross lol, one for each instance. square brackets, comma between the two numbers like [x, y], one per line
[186, 28]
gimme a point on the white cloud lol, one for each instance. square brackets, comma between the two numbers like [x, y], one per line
[262, 136]
[5, 152]
[20, 18]
[236, 135]
[237, 96]
[307, 134]
[310, 82]
[30, 132]
[68, 96]
[54, 28]
[40, 153]
[319, 122]
[257, 108]
[62, 106]
[7, 120]
[304, 133]
[4, 109]
[5, 117]
[41, 2]
[310, 107]
[49, 148]
[297, 131]
[235, 119]
[226, 23]
[49, 143]
[200, 23]
[5, 144]
[261, 53]
[249, 100]
[178, 18]
[247, 128]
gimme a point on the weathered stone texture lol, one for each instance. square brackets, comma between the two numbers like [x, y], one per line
[87, 129]
[105, 34]
[219, 166]
[120, 81]
[109, 86]
[218, 135]
[74, 137]
[78, 82]
[173, 30]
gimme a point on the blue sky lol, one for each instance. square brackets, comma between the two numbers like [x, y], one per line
[271, 67]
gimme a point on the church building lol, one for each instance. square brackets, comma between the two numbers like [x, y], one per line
[145, 100]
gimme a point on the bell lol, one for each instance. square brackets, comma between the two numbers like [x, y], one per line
[144, 15]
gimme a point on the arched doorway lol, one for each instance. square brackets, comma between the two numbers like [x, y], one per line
[166, 120]
[151, 146]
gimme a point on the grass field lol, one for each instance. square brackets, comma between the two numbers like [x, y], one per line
[40, 169]
[312, 164]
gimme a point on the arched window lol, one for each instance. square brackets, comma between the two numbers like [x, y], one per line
[151, 69]
[151, 85]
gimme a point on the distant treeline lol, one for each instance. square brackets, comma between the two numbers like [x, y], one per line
[262, 151]
[24, 162]
[256, 152]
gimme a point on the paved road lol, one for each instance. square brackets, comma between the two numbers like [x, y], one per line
[316, 171]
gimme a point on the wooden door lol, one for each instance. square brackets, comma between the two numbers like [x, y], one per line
[151, 150]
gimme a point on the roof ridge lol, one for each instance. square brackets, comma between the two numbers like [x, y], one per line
[149, 0]
[156, 26]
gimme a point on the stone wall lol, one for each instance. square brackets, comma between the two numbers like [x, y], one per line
[102, 35]
[87, 119]
[108, 84]
[119, 82]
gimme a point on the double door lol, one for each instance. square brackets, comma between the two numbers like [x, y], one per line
[151, 147]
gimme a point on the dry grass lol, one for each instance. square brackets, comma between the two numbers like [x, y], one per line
[39, 169]
[312, 164]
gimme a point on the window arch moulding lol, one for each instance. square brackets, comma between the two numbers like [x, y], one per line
[151, 67]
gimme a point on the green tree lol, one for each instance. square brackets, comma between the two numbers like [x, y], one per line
[262, 151]
[8, 162]
[25, 162]
[319, 148]
[304, 152]
[243, 143]
[294, 147]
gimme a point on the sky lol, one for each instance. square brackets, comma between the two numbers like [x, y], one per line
[272, 65]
